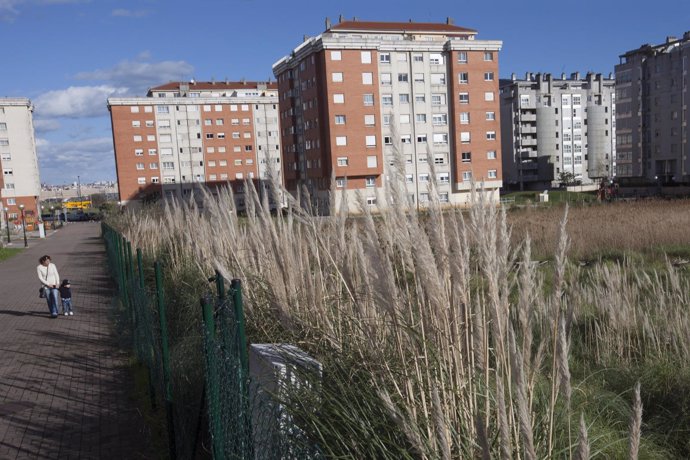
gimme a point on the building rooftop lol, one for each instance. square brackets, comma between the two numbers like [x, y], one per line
[399, 27]
[215, 85]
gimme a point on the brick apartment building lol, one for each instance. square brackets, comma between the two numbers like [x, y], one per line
[20, 183]
[652, 113]
[361, 93]
[183, 135]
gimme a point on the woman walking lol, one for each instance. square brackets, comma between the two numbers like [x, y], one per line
[50, 281]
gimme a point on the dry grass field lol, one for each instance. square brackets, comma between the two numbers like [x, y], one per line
[444, 336]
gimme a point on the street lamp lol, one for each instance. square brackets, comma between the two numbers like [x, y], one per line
[52, 211]
[7, 224]
[21, 208]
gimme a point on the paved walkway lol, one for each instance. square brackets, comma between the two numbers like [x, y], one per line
[64, 389]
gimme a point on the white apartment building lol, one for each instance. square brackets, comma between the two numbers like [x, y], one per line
[553, 126]
[20, 182]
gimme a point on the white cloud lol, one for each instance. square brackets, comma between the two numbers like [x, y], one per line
[76, 101]
[91, 158]
[44, 125]
[139, 75]
[124, 13]
[9, 9]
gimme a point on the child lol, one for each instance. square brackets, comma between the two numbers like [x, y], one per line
[66, 297]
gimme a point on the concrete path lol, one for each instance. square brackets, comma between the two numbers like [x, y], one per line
[64, 389]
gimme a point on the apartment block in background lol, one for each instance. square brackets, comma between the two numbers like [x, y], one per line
[552, 126]
[652, 116]
[20, 183]
[183, 135]
[362, 95]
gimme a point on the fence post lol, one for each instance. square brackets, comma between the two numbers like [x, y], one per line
[212, 378]
[130, 292]
[166, 360]
[236, 286]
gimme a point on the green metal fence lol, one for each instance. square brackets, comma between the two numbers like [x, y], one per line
[197, 368]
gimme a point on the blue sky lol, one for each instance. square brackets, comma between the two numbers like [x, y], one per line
[68, 56]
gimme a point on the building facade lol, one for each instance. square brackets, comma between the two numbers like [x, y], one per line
[652, 116]
[558, 130]
[183, 135]
[365, 103]
[20, 183]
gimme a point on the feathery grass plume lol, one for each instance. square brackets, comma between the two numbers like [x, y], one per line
[440, 424]
[636, 424]
[482, 438]
[521, 391]
[582, 452]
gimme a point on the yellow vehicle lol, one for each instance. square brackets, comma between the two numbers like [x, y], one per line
[84, 204]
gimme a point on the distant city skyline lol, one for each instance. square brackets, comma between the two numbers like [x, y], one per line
[69, 56]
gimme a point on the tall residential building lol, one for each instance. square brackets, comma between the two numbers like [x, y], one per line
[183, 135]
[360, 93]
[554, 126]
[652, 116]
[20, 183]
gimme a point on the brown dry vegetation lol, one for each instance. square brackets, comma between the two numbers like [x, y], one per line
[637, 226]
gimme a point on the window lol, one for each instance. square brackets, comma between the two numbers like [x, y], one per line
[141, 180]
[402, 57]
[6, 156]
[420, 118]
[403, 77]
[424, 177]
[438, 78]
[222, 135]
[372, 161]
[423, 197]
[404, 98]
[488, 76]
[244, 107]
[443, 197]
[371, 200]
[387, 99]
[336, 56]
[210, 135]
[139, 152]
[444, 177]
[238, 162]
[463, 78]
[492, 174]
[368, 100]
[409, 178]
[153, 165]
[248, 148]
[466, 157]
[137, 138]
[149, 123]
[385, 79]
[488, 56]
[165, 138]
[404, 119]
[371, 141]
[491, 135]
[489, 96]
[436, 59]
[370, 181]
[219, 122]
[490, 116]
[421, 98]
[491, 155]
[467, 176]
[418, 57]
[406, 139]
[134, 109]
[385, 58]
[464, 98]
[387, 140]
[440, 138]
[465, 137]
[439, 119]
[340, 119]
[7, 172]
[343, 161]
[418, 78]
[340, 182]
[161, 109]
[166, 151]
[421, 139]
[135, 124]
[223, 163]
[337, 77]
[369, 120]
[367, 78]
[151, 138]
[208, 122]
[366, 57]
[464, 118]
[341, 140]
[386, 119]
[438, 99]
[235, 135]
[338, 98]
[9, 186]
[462, 57]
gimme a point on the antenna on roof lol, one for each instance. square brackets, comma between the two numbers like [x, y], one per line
[354, 19]
[328, 23]
[340, 18]
[449, 20]
[410, 20]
